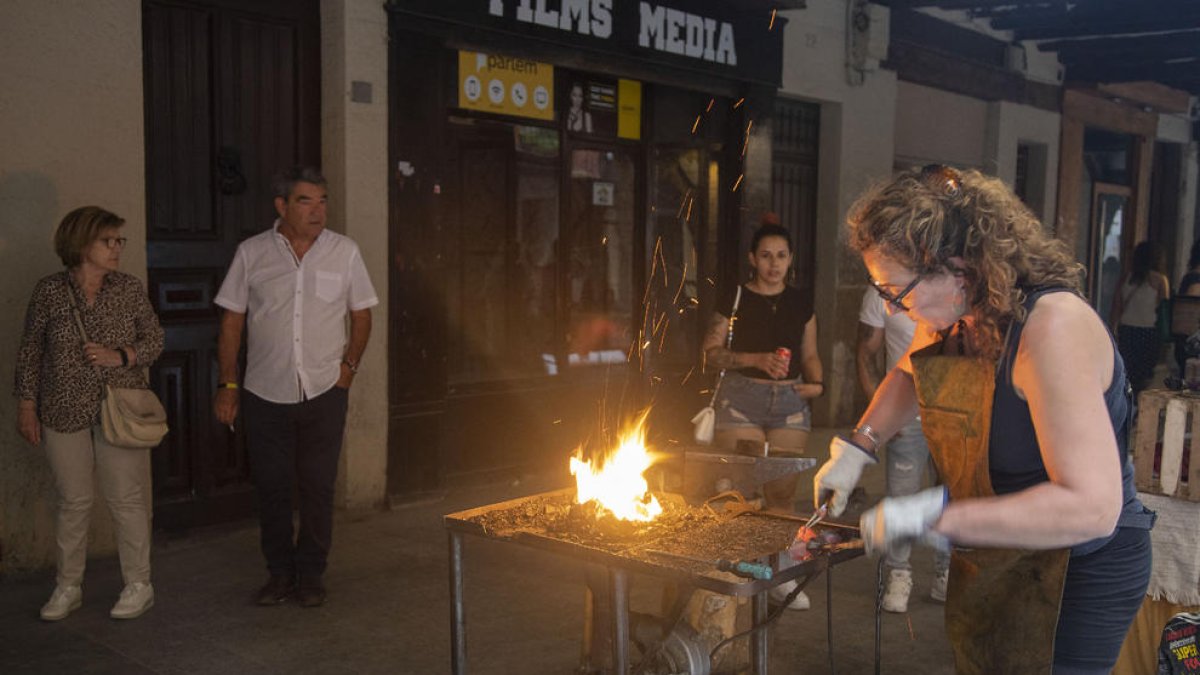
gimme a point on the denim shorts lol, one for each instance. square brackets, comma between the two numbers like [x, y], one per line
[745, 403]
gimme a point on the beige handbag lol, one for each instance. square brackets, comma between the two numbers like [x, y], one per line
[705, 420]
[132, 418]
[129, 418]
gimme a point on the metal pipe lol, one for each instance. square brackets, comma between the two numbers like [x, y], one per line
[458, 622]
[619, 603]
[759, 659]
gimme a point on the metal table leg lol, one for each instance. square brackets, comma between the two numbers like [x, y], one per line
[758, 640]
[619, 602]
[458, 623]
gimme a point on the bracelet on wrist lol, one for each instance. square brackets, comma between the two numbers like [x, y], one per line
[868, 433]
[227, 385]
[352, 365]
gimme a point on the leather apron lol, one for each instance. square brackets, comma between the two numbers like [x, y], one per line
[1001, 604]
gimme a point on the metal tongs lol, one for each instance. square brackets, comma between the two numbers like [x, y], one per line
[817, 515]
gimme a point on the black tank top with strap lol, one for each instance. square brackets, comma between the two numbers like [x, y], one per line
[1014, 456]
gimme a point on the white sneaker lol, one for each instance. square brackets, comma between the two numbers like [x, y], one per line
[895, 594]
[63, 601]
[780, 593]
[940, 581]
[135, 599]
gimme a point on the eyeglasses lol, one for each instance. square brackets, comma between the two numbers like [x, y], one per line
[114, 242]
[896, 300]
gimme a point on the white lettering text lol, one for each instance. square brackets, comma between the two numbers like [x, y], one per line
[678, 32]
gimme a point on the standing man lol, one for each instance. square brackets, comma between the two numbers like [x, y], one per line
[907, 451]
[295, 285]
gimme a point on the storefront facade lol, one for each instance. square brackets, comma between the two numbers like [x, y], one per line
[571, 181]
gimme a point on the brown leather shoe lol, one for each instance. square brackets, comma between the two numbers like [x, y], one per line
[311, 592]
[279, 588]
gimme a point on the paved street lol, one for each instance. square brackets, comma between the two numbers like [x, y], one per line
[388, 609]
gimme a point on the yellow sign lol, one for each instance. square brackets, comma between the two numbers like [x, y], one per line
[629, 109]
[505, 85]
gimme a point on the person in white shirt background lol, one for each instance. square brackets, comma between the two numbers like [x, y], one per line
[293, 287]
[907, 454]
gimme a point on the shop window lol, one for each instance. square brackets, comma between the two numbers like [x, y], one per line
[1029, 182]
[795, 137]
[599, 259]
[1105, 197]
[682, 214]
[502, 294]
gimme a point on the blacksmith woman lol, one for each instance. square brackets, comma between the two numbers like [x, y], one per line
[1024, 400]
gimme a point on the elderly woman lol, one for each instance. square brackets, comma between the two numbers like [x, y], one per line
[1023, 397]
[60, 380]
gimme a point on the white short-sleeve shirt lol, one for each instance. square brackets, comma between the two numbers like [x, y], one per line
[898, 327]
[295, 310]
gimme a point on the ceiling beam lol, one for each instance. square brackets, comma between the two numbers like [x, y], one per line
[1100, 19]
[971, 5]
[1154, 94]
[1119, 72]
[1142, 47]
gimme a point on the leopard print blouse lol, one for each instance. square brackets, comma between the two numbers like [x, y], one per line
[51, 368]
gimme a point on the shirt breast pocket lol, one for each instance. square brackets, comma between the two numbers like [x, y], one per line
[329, 286]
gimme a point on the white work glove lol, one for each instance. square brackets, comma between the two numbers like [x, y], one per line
[840, 474]
[908, 518]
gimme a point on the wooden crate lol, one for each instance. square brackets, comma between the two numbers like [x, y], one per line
[1164, 419]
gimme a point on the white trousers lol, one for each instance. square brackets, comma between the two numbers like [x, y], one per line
[79, 460]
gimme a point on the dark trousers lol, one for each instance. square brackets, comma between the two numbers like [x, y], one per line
[290, 443]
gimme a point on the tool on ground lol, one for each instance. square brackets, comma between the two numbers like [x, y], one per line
[741, 568]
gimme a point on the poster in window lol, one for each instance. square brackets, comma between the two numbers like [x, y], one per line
[589, 106]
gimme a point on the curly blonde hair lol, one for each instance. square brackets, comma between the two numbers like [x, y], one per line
[924, 217]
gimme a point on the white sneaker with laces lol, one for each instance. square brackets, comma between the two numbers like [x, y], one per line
[940, 581]
[63, 601]
[895, 594]
[135, 599]
[780, 593]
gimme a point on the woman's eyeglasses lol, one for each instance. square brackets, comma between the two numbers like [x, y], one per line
[114, 242]
[895, 299]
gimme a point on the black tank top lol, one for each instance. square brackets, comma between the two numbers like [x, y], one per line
[1014, 456]
[766, 322]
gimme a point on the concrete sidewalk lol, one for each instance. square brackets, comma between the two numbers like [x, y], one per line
[388, 608]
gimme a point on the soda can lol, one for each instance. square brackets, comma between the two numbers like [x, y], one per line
[785, 354]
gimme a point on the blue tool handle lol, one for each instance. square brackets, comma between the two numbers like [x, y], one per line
[746, 569]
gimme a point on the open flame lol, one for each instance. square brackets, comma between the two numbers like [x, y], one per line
[616, 482]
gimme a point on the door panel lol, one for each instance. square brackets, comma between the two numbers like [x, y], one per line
[230, 96]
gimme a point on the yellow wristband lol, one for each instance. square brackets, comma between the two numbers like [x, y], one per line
[227, 385]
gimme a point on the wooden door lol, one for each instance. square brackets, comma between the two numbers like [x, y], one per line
[231, 97]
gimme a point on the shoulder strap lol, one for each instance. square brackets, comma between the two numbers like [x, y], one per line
[75, 309]
[737, 298]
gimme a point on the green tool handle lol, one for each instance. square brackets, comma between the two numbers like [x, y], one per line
[746, 569]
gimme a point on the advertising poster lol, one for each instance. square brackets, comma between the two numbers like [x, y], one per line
[505, 85]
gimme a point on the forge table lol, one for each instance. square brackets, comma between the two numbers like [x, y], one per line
[727, 539]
